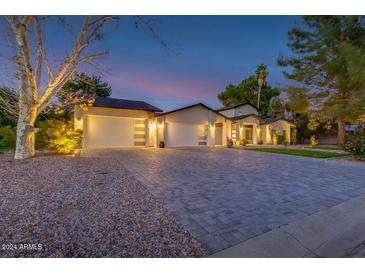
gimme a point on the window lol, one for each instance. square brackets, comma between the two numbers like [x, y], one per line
[234, 132]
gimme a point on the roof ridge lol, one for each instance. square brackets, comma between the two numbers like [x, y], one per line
[237, 105]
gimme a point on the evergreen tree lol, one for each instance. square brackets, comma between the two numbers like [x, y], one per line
[328, 59]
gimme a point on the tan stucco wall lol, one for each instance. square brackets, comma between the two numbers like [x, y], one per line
[265, 134]
[279, 126]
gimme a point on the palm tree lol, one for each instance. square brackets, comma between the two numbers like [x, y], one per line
[261, 75]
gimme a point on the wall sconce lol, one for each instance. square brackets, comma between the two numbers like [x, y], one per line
[160, 125]
[152, 125]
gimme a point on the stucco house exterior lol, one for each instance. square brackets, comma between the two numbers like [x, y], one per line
[112, 122]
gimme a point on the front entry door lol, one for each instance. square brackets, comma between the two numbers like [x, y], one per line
[248, 133]
[219, 134]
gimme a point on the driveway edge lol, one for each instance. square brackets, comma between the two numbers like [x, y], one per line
[334, 232]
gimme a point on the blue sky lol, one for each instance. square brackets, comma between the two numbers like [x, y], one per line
[205, 54]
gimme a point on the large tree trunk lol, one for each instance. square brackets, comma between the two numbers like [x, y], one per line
[25, 140]
[341, 132]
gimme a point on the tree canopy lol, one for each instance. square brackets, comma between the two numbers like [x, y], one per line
[328, 59]
[81, 89]
[247, 91]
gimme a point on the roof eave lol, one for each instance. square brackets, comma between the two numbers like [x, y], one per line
[144, 109]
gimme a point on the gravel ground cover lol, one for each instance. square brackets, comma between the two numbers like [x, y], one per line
[59, 206]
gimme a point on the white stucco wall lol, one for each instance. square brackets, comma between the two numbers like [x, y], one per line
[241, 110]
[251, 120]
[197, 116]
[228, 112]
[244, 110]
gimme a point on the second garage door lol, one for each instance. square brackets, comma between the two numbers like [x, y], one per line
[108, 131]
[181, 134]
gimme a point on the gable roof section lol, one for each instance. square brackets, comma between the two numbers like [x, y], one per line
[191, 106]
[240, 117]
[274, 119]
[108, 102]
[236, 106]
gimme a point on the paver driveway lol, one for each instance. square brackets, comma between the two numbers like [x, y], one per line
[226, 196]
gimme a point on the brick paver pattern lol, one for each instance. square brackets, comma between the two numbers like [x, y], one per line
[226, 196]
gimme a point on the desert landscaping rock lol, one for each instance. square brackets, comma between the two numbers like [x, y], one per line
[59, 206]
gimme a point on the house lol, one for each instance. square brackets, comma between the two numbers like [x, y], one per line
[112, 122]
[246, 124]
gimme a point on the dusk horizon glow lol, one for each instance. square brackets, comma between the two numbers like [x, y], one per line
[206, 53]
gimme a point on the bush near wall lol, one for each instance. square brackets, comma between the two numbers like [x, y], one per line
[281, 140]
[7, 138]
[355, 143]
[58, 136]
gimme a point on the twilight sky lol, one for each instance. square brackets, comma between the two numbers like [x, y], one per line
[206, 54]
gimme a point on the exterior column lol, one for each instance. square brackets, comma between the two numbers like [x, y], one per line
[254, 134]
[147, 135]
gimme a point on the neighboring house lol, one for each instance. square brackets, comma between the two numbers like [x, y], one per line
[114, 122]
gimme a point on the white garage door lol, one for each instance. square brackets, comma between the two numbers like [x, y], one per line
[180, 134]
[108, 131]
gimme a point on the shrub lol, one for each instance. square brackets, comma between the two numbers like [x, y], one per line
[355, 143]
[313, 141]
[58, 136]
[281, 139]
[7, 138]
[243, 142]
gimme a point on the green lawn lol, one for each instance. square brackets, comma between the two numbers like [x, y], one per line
[326, 147]
[301, 152]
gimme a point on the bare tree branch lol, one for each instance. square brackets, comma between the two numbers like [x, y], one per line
[89, 32]
[69, 62]
[92, 56]
[151, 30]
[9, 104]
[41, 53]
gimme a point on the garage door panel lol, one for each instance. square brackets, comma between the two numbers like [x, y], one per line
[107, 131]
[180, 134]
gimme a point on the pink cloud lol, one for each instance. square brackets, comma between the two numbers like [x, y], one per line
[164, 85]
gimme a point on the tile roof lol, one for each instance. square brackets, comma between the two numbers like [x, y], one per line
[108, 102]
[235, 118]
[194, 105]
